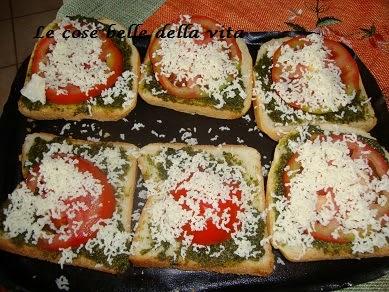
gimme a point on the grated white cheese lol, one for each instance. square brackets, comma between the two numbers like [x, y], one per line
[224, 128]
[186, 136]
[280, 261]
[328, 164]
[247, 118]
[288, 114]
[34, 90]
[65, 128]
[122, 88]
[157, 135]
[319, 87]
[167, 217]
[239, 140]
[59, 180]
[74, 60]
[206, 66]
[62, 283]
[137, 126]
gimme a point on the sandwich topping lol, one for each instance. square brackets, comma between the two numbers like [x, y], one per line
[202, 67]
[313, 74]
[335, 190]
[203, 204]
[81, 198]
[80, 69]
[69, 202]
[307, 79]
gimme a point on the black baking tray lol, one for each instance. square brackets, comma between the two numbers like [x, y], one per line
[25, 274]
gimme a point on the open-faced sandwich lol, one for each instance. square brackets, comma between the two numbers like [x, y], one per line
[204, 210]
[81, 72]
[74, 205]
[308, 79]
[328, 192]
[201, 73]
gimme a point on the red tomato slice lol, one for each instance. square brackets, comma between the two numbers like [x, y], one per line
[375, 159]
[78, 227]
[296, 43]
[294, 168]
[188, 89]
[211, 235]
[346, 63]
[324, 233]
[42, 48]
[339, 54]
[379, 166]
[377, 163]
[210, 24]
[110, 53]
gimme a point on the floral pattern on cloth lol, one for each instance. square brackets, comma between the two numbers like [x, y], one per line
[362, 25]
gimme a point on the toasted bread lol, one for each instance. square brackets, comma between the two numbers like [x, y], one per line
[318, 251]
[190, 106]
[85, 111]
[276, 130]
[142, 252]
[124, 202]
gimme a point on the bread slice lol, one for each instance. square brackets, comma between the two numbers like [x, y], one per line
[82, 111]
[143, 252]
[185, 106]
[276, 130]
[293, 253]
[124, 203]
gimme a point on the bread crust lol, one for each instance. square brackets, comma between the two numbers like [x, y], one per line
[266, 124]
[126, 203]
[71, 112]
[209, 111]
[311, 254]
[264, 266]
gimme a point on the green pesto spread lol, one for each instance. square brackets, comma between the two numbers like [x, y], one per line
[40, 146]
[235, 103]
[119, 262]
[229, 158]
[227, 256]
[343, 115]
[332, 248]
[226, 249]
[82, 108]
[279, 189]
